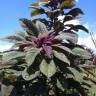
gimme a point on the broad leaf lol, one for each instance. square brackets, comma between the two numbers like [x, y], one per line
[31, 55]
[48, 68]
[41, 3]
[12, 39]
[69, 36]
[21, 35]
[63, 48]
[92, 89]
[29, 27]
[81, 53]
[37, 11]
[11, 74]
[26, 76]
[12, 71]
[1, 54]
[41, 27]
[12, 55]
[77, 75]
[7, 64]
[49, 13]
[61, 56]
[75, 12]
[59, 85]
[67, 4]
[79, 27]
[53, 14]
[67, 18]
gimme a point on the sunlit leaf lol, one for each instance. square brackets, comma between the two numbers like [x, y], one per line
[70, 36]
[21, 35]
[29, 27]
[51, 14]
[11, 74]
[66, 4]
[41, 3]
[37, 11]
[82, 53]
[77, 75]
[26, 76]
[41, 27]
[61, 56]
[63, 48]
[48, 68]
[31, 55]
[92, 89]
[12, 39]
[59, 85]
[7, 64]
[12, 55]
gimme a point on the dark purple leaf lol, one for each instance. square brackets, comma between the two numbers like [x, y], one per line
[75, 12]
[67, 18]
[81, 27]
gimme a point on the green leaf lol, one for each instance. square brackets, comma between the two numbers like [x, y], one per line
[21, 35]
[81, 53]
[59, 85]
[29, 27]
[31, 55]
[11, 74]
[92, 89]
[64, 48]
[41, 27]
[51, 14]
[12, 71]
[12, 39]
[48, 69]
[12, 55]
[7, 64]
[69, 36]
[26, 76]
[61, 57]
[1, 54]
[41, 3]
[37, 11]
[77, 75]
[67, 4]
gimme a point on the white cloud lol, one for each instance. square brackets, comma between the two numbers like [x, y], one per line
[76, 0]
[87, 41]
[75, 22]
[5, 47]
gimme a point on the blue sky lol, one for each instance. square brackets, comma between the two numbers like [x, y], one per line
[12, 10]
